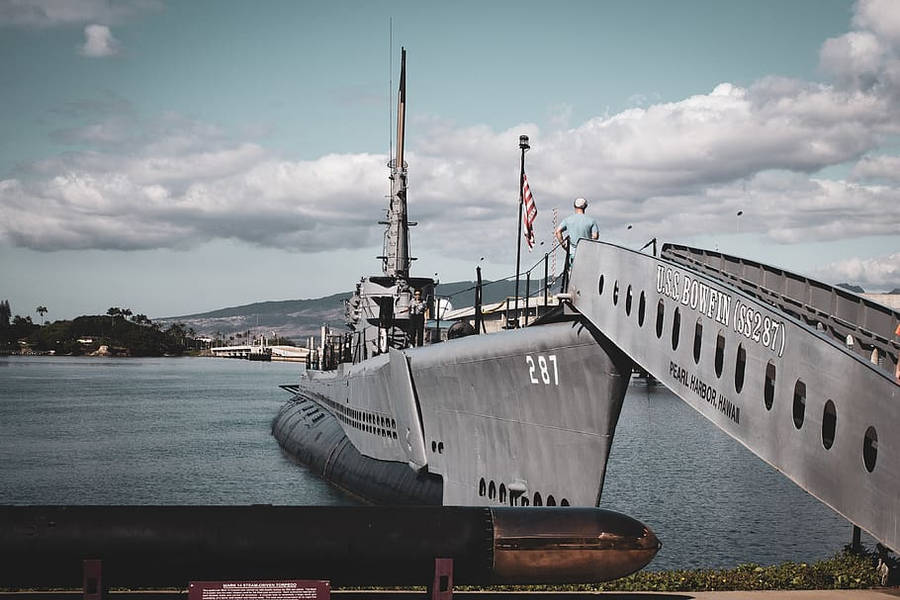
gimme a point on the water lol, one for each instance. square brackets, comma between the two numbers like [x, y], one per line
[146, 431]
[196, 431]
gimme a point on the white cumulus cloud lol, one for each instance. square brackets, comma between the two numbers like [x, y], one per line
[872, 274]
[674, 169]
[99, 42]
[878, 167]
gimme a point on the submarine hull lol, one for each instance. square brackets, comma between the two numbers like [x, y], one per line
[518, 418]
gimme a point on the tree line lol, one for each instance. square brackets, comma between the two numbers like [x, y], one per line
[120, 330]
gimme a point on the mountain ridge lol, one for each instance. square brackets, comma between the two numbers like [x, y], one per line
[298, 319]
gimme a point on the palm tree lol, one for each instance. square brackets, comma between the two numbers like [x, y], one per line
[41, 310]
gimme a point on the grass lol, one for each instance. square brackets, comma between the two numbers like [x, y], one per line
[846, 570]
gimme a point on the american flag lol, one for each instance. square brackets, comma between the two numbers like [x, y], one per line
[529, 214]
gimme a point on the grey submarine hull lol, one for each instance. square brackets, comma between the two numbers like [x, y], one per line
[519, 418]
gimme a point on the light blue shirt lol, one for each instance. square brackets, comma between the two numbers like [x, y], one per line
[577, 226]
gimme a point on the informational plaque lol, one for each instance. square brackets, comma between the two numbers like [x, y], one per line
[291, 589]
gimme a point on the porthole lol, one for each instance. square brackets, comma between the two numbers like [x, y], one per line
[616, 293]
[799, 403]
[440, 447]
[870, 449]
[482, 487]
[600, 286]
[740, 364]
[492, 490]
[769, 389]
[720, 353]
[551, 501]
[829, 424]
[676, 328]
[537, 499]
[433, 446]
[642, 307]
[698, 339]
[563, 502]
[502, 493]
[660, 311]
[628, 301]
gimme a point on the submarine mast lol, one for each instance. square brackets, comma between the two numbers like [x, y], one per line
[396, 239]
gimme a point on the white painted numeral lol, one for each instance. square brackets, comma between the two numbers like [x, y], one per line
[530, 362]
[542, 363]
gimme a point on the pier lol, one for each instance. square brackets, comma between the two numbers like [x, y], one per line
[256, 352]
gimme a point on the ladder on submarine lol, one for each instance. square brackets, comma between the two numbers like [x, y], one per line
[799, 372]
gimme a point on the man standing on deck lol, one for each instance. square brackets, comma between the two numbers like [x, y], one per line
[417, 310]
[576, 226]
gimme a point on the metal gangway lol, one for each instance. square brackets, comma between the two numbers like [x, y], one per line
[799, 372]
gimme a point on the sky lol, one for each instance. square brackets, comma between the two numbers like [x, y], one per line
[179, 157]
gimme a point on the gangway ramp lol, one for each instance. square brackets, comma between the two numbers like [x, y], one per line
[772, 371]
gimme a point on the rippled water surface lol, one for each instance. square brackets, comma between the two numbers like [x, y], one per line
[196, 431]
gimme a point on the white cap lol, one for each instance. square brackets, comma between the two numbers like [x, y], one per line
[580, 203]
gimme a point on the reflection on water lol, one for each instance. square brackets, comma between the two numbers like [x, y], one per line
[711, 501]
[197, 431]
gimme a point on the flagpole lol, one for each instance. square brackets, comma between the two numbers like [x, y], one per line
[523, 145]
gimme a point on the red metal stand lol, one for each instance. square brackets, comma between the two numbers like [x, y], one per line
[442, 584]
[92, 584]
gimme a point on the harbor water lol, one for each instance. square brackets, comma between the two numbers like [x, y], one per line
[196, 431]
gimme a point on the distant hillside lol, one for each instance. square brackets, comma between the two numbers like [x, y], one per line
[297, 319]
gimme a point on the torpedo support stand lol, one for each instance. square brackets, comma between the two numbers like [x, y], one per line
[442, 585]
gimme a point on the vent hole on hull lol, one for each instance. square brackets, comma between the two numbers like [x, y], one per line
[829, 424]
[660, 312]
[799, 403]
[739, 367]
[720, 353]
[698, 339]
[642, 307]
[870, 449]
[769, 389]
[676, 328]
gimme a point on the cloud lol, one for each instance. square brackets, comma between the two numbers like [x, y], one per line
[62, 13]
[878, 167]
[867, 58]
[99, 42]
[675, 169]
[873, 274]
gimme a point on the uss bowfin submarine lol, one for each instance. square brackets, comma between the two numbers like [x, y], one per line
[526, 417]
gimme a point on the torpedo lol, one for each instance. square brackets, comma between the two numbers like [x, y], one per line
[368, 545]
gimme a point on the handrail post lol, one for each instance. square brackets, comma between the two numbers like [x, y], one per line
[479, 320]
[527, 294]
[546, 277]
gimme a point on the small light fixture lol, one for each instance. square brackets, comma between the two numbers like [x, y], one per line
[523, 142]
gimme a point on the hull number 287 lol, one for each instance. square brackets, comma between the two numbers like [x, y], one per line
[543, 370]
